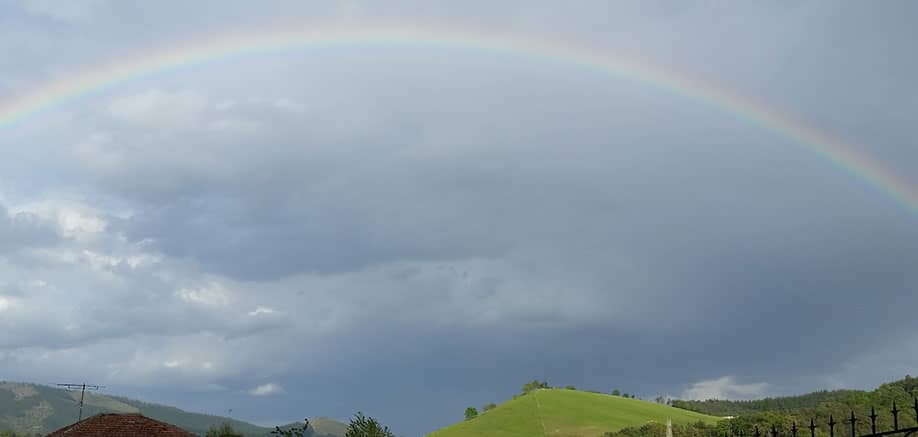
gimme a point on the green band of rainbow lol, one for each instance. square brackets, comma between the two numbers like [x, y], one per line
[55, 94]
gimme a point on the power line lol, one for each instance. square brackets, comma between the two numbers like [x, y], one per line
[83, 388]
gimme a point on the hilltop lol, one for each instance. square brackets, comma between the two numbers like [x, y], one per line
[41, 409]
[567, 413]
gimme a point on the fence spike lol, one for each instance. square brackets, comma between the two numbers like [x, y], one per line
[774, 431]
[832, 424]
[916, 409]
[853, 421]
[793, 429]
[812, 428]
[895, 413]
[873, 421]
[757, 433]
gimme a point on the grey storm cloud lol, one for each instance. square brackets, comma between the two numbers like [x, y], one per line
[400, 231]
[19, 229]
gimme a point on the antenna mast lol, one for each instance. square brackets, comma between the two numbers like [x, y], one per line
[83, 388]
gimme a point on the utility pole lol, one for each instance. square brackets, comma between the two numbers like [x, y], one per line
[83, 388]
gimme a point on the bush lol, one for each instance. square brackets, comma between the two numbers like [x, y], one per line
[362, 426]
[222, 430]
[293, 431]
[533, 385]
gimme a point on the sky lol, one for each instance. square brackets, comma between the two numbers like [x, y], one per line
[408, 230]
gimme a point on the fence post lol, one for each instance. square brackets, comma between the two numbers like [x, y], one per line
[853, 421]
[895, 412]
[873, 421]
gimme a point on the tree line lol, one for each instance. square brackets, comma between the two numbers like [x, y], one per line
[359, 426]
[783, 412]
[531, 386]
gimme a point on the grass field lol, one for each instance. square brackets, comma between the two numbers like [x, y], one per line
[567, 413]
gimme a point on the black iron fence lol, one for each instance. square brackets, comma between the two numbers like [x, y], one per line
[852, 422]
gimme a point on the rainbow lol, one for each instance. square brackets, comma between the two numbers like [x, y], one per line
[55, 94]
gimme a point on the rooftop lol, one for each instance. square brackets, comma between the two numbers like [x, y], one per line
[120, 425]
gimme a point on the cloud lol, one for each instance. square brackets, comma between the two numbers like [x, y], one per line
[76, 11]
[210, 294]
[21, 229]
[158, 108]
[71, 219]
[262, 310]
[6, 303]
[725, 387]
[446, 214]
[267, 390]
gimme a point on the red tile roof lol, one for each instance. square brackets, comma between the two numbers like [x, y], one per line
[120, 425]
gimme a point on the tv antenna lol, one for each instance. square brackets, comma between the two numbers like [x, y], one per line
[83, 388]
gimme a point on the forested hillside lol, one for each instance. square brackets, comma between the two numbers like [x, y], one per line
[784, 411]
[718, 407]
[38, 409]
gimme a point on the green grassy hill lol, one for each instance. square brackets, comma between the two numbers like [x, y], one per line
[40, 409]
[567, 413]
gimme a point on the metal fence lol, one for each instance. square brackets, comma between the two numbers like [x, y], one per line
[852, 423]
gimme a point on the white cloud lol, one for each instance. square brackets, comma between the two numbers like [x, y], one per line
[6, 303]
[73, 11]
[262, 310]
[178, 111]
[212, 294]
[155, 107]
[266, 390]
[72, 219]
[725, 387]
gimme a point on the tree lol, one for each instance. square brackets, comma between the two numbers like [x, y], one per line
[535, 384]
[222, 430]
[626, 395]
[570, 387]
[488, 407]
[471, 413]
[616, 392]
[362, 426]
[292, 431]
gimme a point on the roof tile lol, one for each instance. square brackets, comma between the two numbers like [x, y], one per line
[120, 425]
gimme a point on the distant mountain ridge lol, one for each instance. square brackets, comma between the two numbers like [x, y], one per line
[39, 409]
[718, 407]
